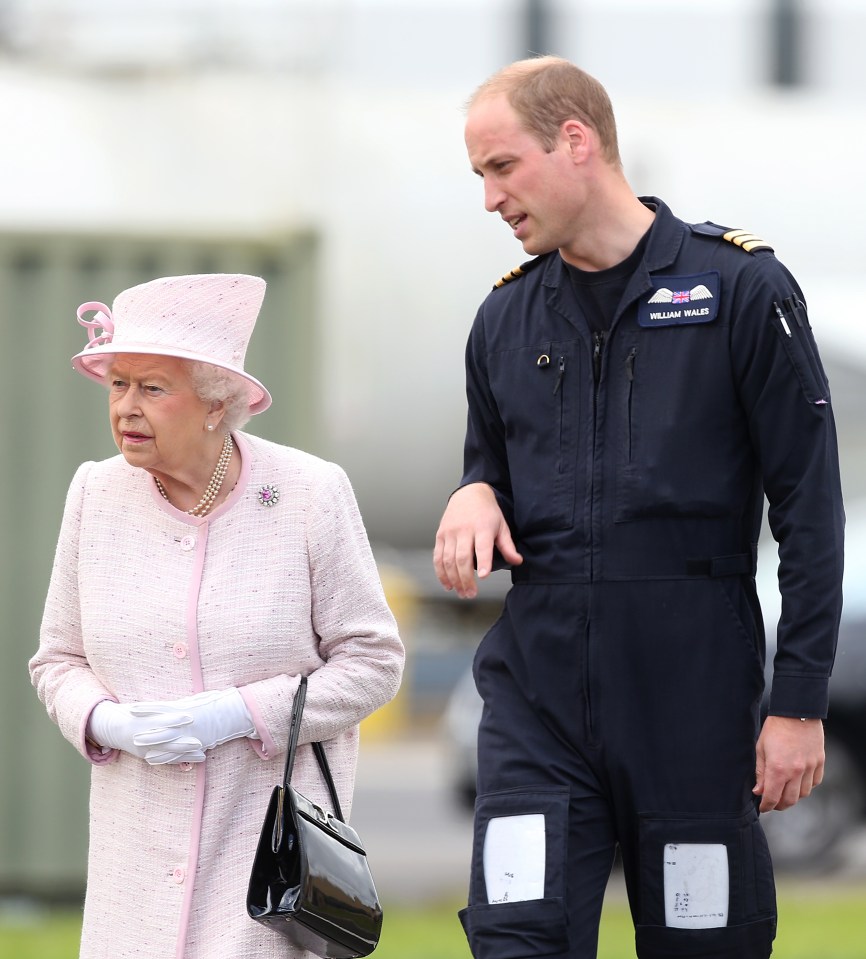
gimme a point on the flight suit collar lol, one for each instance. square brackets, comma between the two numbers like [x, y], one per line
[666, 237]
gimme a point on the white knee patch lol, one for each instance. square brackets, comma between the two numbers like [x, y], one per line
[696, 885]
[514, 858]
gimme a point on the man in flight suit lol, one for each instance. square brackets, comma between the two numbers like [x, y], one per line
[634, 392]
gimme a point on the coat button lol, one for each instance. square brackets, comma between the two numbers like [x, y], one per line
[178, 875]
[179, 650]
[187, 543]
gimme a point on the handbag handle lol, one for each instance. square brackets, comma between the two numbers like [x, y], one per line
[295, 729]
[318, 749]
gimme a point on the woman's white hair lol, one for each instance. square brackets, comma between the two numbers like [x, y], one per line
[214, 384]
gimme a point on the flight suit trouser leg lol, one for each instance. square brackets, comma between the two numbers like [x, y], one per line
[643, 738]
[677, 678]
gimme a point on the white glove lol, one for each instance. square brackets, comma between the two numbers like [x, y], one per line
[216, 717]
[157, 735]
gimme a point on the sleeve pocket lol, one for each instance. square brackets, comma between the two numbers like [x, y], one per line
[803, 354]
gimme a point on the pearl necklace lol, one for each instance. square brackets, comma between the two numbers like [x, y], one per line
[205, 504]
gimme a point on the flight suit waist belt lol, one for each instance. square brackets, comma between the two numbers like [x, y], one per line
[736, 564]
[740, 564]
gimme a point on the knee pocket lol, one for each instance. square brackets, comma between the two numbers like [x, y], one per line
[518, 879]
[706, 886]
[752, 940]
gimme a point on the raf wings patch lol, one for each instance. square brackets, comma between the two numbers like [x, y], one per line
[680, 300]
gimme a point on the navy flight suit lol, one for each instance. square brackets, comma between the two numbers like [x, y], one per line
[622, 683]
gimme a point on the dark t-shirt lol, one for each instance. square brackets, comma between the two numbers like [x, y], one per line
[598, 292]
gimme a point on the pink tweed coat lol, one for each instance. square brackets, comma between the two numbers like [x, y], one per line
[148, 603]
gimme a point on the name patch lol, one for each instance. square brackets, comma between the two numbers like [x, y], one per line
[680, 300]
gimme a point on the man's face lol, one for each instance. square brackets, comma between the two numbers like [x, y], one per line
[535, 192]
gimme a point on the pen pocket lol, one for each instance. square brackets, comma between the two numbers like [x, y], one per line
[799, 344]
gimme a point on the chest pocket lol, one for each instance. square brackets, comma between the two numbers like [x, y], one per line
[683, 447]
[537, 390]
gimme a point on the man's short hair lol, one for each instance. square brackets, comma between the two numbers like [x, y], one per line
[544, 92]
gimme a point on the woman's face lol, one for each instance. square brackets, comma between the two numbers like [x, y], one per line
[157, 420]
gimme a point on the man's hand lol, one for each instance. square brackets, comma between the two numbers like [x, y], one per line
[472, 525]
[790, 761]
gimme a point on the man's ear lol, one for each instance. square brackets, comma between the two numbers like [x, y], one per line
[579, 139]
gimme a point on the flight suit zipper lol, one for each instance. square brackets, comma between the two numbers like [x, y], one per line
[629, 375]
[598, 346]
[559, 375]
[557, 389]
[597, 350]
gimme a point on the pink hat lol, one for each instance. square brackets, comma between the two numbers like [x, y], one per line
[208, 317]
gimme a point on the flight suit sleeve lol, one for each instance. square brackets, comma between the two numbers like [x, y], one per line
[786, 396]
[484, 452]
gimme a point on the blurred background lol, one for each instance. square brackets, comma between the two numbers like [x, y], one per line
[318, 143]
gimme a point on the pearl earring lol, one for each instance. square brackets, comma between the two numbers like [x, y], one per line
[210, 427]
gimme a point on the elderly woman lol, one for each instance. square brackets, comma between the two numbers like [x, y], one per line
[198, 575]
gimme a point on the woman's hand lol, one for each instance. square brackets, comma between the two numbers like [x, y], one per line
[213, 718]
[146, 730]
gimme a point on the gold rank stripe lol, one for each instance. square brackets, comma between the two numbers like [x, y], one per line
[748, 241]
[513, 275]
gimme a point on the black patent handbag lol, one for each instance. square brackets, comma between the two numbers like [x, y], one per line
[310, 880]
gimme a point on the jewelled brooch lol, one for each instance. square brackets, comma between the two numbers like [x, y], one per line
[269, 495]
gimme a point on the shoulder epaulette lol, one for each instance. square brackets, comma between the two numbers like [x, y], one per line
[516, 273]
[741, 238]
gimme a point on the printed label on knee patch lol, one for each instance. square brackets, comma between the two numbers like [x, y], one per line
[696, 885]
[514, 858]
